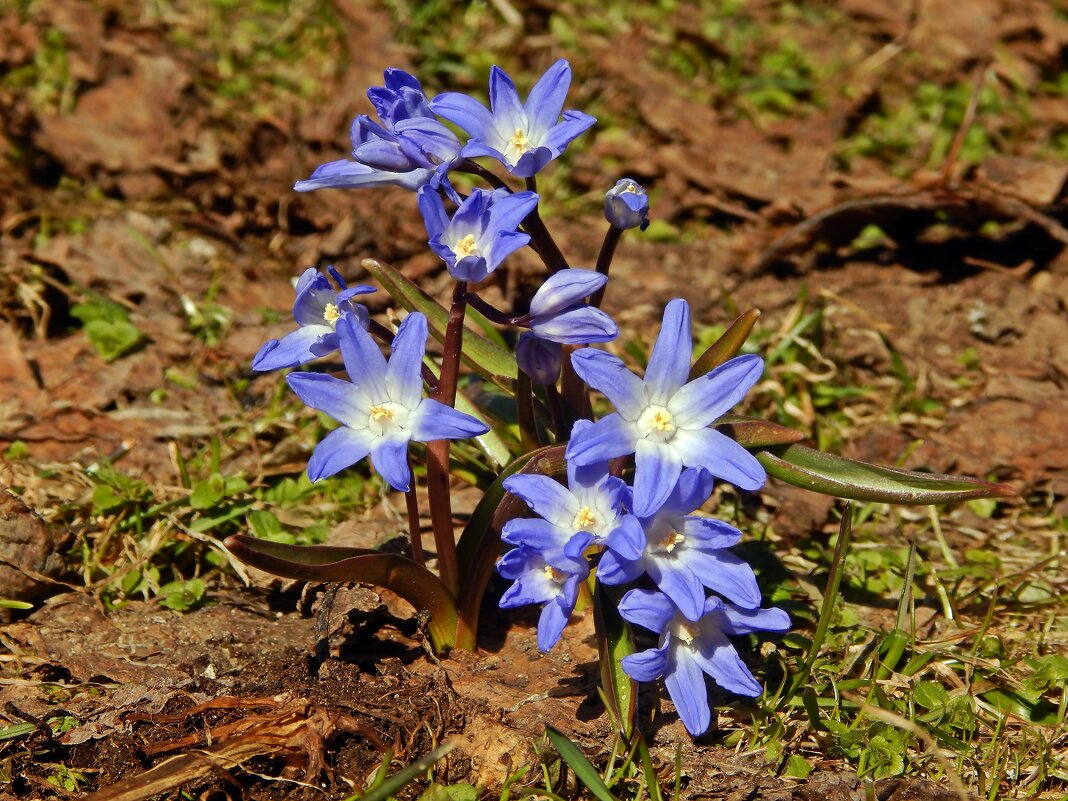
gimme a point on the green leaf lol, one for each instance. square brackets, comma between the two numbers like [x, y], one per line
[208, 492]
[182, 596]
[415, 584]
[16, 730]
[576, 760]
[614, 641]
[727, 346]
[490, 443]
[485, 357]
[6, 604]
[860, 481]
[930, 695]
[797, 767]
[108, 326]
[480, 543]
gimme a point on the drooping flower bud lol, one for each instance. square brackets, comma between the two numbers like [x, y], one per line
[538, 358]
[626, 205]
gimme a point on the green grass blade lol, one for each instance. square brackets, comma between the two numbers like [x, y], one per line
[727, 346]
[405, 776]
[576, 760]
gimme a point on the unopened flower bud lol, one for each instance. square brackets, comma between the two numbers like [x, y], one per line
[538, 358]
[626, 205]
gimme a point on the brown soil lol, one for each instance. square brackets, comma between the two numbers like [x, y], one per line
[137, 180]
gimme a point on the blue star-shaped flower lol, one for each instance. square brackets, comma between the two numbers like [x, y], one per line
[481, 233]
[522, 136]
[681, 553]
[663, 419]
[382, 408]
[317, 309]
[688, 649]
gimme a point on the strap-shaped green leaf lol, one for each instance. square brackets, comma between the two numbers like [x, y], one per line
[614, 641]
[487, 358]
[415, 584]
[860, 481]
[584, 769]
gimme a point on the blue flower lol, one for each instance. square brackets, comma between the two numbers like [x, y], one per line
[591, 504]
[681, 553]
[664, 420]
[538, 358]
[382, 409]
[410, 136]
[481, 233]
[409, 148]
[317, 309]
[559, 313]
[688, 649]
[626, 205]
[522, 136]
[551, 578]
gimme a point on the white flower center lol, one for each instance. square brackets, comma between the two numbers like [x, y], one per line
[670, 539]
[585, 520]
[331, 313]
[632, 188]
[466, 246]
[685, 630]
[384, 418]
[656, 423]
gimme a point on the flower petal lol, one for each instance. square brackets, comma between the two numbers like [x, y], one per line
[339, 449]
[725, 573]
[704, 400]
[364, 362]
[708, 533]
[509, 210]
[607, 374]
[565, 288]
[747, 621]
[678, 583]
[721, 456]
[432, 208]
[646, 665]
[465, 112]
[656, 471]
[647, 608]
[551, 624]
[346, 174]
[611, 436]
[404, 378]
[686, 686]
[546, 99]
[716, 656]
[628, 539]
[504, 100]
[613, 569]
[692, 490]
[432, 420]
[669, 364]
[341, 400]
[545, 497]
[560, 136]
[389, 455]
[535, 533]
[581, 325]
[292, 350]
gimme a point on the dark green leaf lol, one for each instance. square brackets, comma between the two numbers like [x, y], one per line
[845, 478]
[614, 642]
[415, 584]
[407, 775]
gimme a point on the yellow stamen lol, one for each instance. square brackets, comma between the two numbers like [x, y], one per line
[662, 420]
[466, 246]
[554, 575]
[520, 141]
[330, 313]
[381, 413]
[670, 540]
[585, 518]
[632, 188]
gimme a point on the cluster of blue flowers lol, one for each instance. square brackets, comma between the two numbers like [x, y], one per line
[687, 586]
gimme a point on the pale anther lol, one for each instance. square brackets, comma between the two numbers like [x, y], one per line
[585, 518]
[331, 313]
[670, 540]
[662, 420]
[381, 413]
[554, 575]
[520, 141]
[466, 246]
